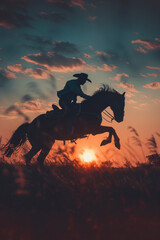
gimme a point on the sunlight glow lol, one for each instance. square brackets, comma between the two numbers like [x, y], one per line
[88, 156]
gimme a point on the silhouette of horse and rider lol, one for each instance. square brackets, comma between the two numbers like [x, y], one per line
[73, 121]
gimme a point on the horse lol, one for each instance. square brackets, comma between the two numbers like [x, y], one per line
[43, 130]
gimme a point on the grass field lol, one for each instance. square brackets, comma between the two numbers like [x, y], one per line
[69, 201]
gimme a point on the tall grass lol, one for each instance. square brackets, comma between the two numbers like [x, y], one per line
[70, 200]
[136, 140]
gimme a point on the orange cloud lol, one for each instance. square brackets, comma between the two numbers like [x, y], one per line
[56, 62]
[145, 45]
[6, 25]
[140, 49]
[9, 74]
[16, 68]
[143, 104]
[155, 75]
[107, 68]
[119, 76]
[86, 55]
[79, 3]
[32, 106]
[129, 94]
[131, 101]
[128, 86]
[2, 115]
[154, 68]
[101, 53]
[37, 73]
[152, 85]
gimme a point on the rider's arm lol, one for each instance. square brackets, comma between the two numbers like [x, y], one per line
[77, 89]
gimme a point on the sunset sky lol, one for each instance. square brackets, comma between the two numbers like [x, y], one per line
[44, 42]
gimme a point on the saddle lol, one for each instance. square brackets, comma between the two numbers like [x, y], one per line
[57, 112]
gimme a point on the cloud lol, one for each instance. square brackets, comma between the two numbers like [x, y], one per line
[37, 73]
[107, 68]
[3, 115]
[5, 77]
[55, 62]
[67, 4]
[92, 18]
[86, 55]
[128, 86]
[155, 75]
[143, 104]
[65, 47]
[53, 17]
[129, 94]
[37, 39]
[119, 76]
[78, 3]
[37, 43]
[131, 101]
[152, 85]
[107, 57]
[101, 53]
[153, 68]
[26, 98]
[22, 108]
[8, 74]
[62, 4]
[144, 45]
[11, 18]
[16, 110]
[16, 68]
[32, 106]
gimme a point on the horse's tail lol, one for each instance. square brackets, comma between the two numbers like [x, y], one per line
[18, 138]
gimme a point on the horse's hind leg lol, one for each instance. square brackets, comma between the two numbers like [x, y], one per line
[44, 152]
[28, 156]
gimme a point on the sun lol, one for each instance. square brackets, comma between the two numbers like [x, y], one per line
[88, 156]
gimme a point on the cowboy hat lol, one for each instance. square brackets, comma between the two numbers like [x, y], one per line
[82, 76]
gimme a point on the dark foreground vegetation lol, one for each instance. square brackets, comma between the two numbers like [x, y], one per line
[67, 201]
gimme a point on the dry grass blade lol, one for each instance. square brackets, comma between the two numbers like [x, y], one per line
[158, 134]
[152, 144]
[133, 130]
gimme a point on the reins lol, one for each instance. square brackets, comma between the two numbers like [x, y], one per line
[109, 116]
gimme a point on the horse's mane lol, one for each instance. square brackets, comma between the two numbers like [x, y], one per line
[102, 90]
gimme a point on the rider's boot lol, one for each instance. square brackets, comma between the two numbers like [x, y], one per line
[55, 108]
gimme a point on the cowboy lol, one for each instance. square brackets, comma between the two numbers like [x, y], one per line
[72, 89]
[68, 95]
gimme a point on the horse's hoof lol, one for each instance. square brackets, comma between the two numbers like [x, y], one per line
[104, 142]
[117, 144]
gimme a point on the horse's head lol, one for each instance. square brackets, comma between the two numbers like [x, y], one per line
[117, 107]
[105, 97]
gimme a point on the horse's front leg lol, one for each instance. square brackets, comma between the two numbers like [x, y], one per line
[112, 132]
